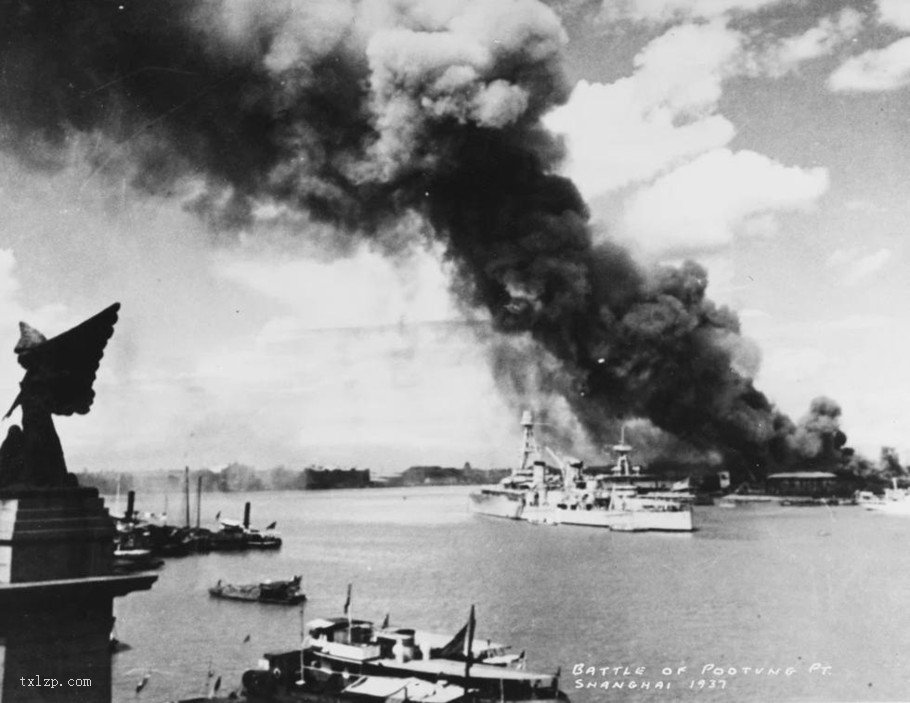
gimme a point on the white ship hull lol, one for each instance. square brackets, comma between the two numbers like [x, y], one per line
[891, 507]
[623, 520]
[497, 502]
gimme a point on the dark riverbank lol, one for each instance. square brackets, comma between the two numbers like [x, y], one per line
[239, 477]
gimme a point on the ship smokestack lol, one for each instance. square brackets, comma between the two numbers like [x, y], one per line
[246, 515]
[130, 503]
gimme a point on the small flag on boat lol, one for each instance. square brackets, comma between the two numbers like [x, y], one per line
[469, 640]
[521, 661]
[681, 485]
[216, 686]
[217, 516]
[271, 526]
[460, 645]
[385, 622]
[347, 601]
[246, 639]
[142, 682]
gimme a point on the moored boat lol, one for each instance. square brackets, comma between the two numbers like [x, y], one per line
[894, 506]
[895, 501]
[235, 536]
[127, 561]
[339, 651]
[263, 686]
[277, 592]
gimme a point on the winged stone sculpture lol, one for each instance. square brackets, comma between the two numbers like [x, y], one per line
[59, 374]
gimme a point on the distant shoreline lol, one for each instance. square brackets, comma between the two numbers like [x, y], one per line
[237, 478]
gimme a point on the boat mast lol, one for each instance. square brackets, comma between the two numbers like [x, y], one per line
[622, 450]
[302, 680]
[347, 610]
[186, 494]
[469, 648]
[199, 501]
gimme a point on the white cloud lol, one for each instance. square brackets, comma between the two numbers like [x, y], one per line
[700, 206]
[821, 40]
[613, 142]
[666, 112]
[48, 319]
[794, 366]
[853, 264]
[842, 256]
[861, 205]
[753, 314]
[875, 70]
[366, 289]
[664, 10]
[866, 266]
[895, 12]
[858, 323]
[683, 68]
[632, 129]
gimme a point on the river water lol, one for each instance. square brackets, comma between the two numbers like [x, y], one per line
[752, 607]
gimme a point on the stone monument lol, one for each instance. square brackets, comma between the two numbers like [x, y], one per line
[56, 538]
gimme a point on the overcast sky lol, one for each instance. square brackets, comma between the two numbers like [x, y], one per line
[768, 140]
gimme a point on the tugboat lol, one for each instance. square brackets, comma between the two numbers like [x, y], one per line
[276, 592]
[343, 650]
[343, 660]
[235, 536]
[131, 543]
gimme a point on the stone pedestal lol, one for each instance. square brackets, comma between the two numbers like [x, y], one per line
[56, 595]
[55, 533]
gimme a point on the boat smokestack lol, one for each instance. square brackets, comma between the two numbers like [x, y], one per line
[246, 515]
[540, 473]
[130, 504]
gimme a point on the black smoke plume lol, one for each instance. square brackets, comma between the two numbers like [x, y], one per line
[360, 114]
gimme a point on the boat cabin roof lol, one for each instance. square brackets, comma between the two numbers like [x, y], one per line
[410, 689]
[333, 624]
[435, 641]
[452, 668]
[802, 474]
[232, 525]
[395, 633]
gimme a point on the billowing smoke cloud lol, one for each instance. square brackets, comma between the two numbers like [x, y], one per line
[364, 114]
[818, 434]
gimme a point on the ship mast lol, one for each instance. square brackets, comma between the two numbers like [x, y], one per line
[528, 443]
[186, 495]
[622, 451]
